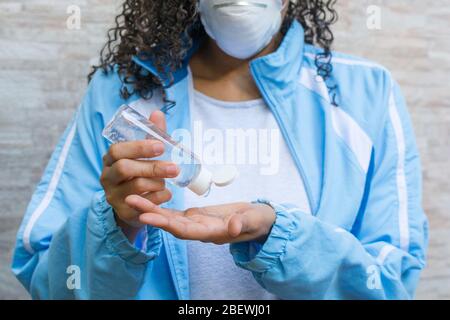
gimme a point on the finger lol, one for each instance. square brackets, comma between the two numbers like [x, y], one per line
[172, 221]
[165, 219]
[176, 216]
[179, 226]
[140, 204]
[220, 210]
[140, 186]
[251, 224]
[133, 150]
[238, 225]
[144, 205]
[125, 169]
[155, 220]
[159, 119]
[159, 197]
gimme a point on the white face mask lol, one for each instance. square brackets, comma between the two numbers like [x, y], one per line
[241, 28]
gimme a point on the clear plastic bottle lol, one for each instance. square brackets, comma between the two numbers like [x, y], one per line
[129, 125]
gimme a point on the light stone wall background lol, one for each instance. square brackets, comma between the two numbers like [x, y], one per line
[42, 79]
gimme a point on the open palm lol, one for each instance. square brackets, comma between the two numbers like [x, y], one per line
[228, 223]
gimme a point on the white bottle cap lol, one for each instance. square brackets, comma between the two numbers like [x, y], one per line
[222, 177]
[201, 184]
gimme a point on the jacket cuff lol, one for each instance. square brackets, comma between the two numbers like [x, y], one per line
[104, 225]
[260, 258]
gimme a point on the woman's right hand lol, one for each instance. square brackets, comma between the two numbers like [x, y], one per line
[123, 175]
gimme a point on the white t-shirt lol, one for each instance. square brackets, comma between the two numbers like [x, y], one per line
[244, 134]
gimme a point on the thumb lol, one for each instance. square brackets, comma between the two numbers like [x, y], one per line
[238, 225]
[159, 119]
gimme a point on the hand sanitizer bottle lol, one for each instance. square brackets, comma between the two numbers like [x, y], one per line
[129, 125]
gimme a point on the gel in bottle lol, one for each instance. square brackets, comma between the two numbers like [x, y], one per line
[129, 125]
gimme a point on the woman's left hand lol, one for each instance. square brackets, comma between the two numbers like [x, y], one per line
[228, 223]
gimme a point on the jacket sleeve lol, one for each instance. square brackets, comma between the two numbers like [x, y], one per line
[68, 245]
[383, 254]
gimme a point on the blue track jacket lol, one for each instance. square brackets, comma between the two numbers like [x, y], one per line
[365, 239]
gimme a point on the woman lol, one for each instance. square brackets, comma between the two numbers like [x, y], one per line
[339, 213]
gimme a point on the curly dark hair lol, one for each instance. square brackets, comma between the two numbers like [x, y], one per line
[164, 31]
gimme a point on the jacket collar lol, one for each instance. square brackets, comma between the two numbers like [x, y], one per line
[281, 67]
